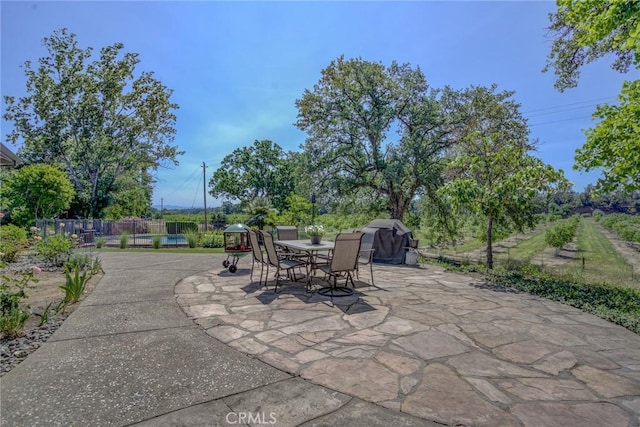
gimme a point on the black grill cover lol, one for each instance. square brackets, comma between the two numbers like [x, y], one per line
[390, 240]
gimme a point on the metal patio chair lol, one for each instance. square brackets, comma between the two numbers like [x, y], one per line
[365, 257]
[343, 263]
[257, 256]
[278, 262]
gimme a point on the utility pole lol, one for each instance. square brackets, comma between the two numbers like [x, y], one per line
[204, 189]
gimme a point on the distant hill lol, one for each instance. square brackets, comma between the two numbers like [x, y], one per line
[176, 208]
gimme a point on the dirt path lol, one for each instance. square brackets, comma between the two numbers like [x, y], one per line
[551, 257]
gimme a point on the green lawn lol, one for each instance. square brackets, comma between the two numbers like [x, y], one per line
[602, 263]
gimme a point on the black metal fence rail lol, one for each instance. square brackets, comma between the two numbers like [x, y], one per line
[112, 233]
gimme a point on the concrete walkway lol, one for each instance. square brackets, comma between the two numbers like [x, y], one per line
[425, 347]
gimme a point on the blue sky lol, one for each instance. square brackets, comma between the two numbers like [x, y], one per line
[237, 68]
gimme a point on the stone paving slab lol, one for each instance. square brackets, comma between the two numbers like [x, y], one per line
[440, 346]
[363, 414]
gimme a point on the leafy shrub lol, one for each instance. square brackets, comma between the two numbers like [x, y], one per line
[620, 305]
[56, 248]
[76, 284]
[85, 262]
[156, 241]
[213, 239]
[12, 322]
[624, 225]
[100, 241]
[81, 260]
[13, 239]
[192, 238]
[13, 312]
[124, 240]
[562, 233]
[96, 266]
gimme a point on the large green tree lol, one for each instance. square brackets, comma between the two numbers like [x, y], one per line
[587, 30]
[97, 119]
[491, 171]
[36, 192]
[375, 130]
[262, 170]
[614, 144]
[130, 197]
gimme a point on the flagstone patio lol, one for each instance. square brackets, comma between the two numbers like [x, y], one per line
[438, 345]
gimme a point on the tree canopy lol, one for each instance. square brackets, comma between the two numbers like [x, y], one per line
[585, 31]
[99, 120]
[491, 172]
[375, 129]
[614, 144]
[36, 192]
[262, 170]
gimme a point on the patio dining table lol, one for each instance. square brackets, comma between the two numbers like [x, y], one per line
[305, 245]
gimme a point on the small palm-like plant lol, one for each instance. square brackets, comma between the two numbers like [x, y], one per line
[124, 240]
[259, 209]
[193, 237]
[96, 266]
[100, 241]
[76, 284]
[157, 241]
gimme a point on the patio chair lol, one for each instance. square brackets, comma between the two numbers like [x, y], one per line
[288, 232]
[365, 257]
[258, 256]
[344, 261]
[278, 262]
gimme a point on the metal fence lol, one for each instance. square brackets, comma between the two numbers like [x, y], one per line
[139, 232]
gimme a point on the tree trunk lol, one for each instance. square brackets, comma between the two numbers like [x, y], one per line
[490, 243]
[398, 206]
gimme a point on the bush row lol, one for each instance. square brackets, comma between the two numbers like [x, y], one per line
[624, 225]
[617, 304]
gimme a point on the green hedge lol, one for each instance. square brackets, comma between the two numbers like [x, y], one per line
[617, 304]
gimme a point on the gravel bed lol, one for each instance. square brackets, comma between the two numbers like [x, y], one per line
[15, 350]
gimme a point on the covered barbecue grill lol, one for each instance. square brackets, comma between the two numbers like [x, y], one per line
[236, 245]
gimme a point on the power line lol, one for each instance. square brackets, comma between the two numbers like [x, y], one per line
[561, 111]
[569, 105]
[188, 180]
[559, 121]
[195, 195]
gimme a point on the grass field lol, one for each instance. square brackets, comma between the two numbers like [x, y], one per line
[598, 260]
